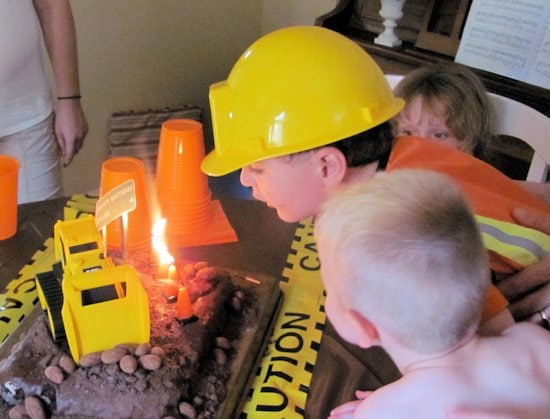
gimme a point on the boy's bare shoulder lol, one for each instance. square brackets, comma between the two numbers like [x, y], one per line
[420, 389]
[526, 338]
[527, 330]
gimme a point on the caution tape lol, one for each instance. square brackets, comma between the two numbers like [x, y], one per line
[282, 382]
[79, 205]
[20, 297]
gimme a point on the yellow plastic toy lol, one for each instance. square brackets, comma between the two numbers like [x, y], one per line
[92, 303]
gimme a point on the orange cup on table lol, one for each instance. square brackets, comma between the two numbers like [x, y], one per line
[182, 188]
[9, 174]
[114, 172]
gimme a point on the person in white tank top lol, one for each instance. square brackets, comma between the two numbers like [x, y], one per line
[39, 135]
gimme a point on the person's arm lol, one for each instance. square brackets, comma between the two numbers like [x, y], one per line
[529, 290]
[347, 410]
[496, 324]
[56, 21]
[542, 190]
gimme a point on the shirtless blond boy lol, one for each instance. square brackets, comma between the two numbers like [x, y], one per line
[403, 265]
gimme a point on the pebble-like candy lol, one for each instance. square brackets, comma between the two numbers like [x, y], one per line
[150, 362]
[54, 374]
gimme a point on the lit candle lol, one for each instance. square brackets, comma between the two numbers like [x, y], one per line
[162, 271]
[184, 310]
[165, 259]
[172, 272]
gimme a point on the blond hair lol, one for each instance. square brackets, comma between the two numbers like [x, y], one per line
[468, 111]
[417, 264]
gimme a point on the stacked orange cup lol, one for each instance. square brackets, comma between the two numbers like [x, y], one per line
[115, 172]
[9, 171]
[182, 189]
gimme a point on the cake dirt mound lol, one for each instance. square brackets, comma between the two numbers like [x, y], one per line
[185, 370]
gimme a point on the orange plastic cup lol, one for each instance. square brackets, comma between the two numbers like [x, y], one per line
[182, 188]
[9, 171]
[114, 172]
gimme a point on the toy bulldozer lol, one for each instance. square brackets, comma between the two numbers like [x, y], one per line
[92, 303]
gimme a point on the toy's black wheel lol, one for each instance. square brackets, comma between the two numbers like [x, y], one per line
[53, 295]
[58, 271]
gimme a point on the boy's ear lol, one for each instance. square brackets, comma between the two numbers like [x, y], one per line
[366, 332]
[333, 165]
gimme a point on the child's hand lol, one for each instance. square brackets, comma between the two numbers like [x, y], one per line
[347, 410]
[71, 128]
[529, 289]
[362, 395]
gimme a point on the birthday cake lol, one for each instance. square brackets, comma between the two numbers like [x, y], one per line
[193, 367]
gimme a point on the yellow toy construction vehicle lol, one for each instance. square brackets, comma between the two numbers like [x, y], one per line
[92, 303]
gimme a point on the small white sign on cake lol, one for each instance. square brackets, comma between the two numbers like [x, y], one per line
[115, 203]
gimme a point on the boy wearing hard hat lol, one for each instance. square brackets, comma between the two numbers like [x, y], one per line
[305, 110]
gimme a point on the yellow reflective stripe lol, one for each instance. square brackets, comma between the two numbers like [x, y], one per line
[523, 245]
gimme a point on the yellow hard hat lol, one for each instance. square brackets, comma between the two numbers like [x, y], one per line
[292, 90]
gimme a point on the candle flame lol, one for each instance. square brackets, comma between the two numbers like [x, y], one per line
[159, 244]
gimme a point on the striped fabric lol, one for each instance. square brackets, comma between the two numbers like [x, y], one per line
[137, 133]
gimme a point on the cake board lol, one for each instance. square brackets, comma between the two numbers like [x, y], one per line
[252, 344]
[248, 350]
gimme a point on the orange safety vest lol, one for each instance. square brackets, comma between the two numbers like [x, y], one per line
[492, 196]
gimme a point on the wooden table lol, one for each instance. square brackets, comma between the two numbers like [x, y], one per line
[35, 223]
[263, 246]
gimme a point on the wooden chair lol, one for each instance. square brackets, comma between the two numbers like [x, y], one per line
[515, 119]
